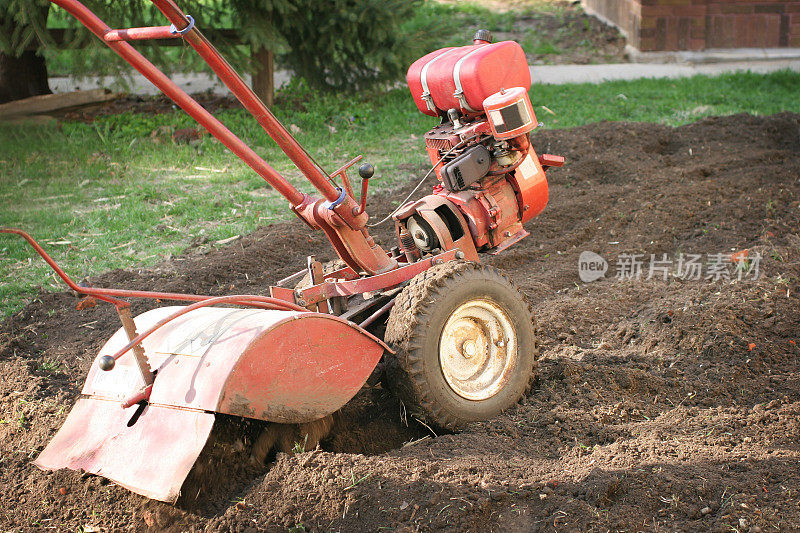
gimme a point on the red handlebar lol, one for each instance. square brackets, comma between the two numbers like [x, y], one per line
[341, 219]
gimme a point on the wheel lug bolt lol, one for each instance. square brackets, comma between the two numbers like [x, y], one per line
[469, 349]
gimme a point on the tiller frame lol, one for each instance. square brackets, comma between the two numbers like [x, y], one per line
[298, 355]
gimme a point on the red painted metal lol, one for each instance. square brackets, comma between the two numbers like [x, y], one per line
[342, 222]
[317, 363]
[550, 160]
[281, 366]
[250, 101]
[429, 208]
[276, 360]
[330, 289]
[235, 300]
[189, 105]
[530, 183]
[282, 293]
[140, 34]
[362, 204]
[342, 172]
[352, 248]
[141, 396]
[151, 457]
[377, 314]
[111, 295]
[354, 245]
[510, 99]
[345, 273]
[492, 212]
[461, 78]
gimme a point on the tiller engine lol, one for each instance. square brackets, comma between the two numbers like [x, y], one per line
[453, 338]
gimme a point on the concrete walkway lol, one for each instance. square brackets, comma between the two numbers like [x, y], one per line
[549, 74]
[557, 74]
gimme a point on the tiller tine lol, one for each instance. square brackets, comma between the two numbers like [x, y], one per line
[278, 366]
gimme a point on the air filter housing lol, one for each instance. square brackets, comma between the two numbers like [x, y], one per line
[510, 113]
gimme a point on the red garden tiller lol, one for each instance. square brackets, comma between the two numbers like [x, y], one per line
[453, 338]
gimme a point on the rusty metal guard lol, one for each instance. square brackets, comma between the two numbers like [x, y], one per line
[279, 366]
[151, 457]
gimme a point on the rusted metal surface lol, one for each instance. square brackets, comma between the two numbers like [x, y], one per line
[281, 366]
[478, 349]
[141, 34]
[427, 207]
[137, 351]
[330, 289]
[150, 454]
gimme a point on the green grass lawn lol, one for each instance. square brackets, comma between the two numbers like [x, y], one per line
[113, 195]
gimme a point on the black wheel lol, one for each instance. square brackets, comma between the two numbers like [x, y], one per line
[465, 341]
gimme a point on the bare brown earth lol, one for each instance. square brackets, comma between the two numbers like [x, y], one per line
[555, 31]
[660, 405]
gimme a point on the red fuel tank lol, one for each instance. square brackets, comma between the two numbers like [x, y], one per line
[463, 77]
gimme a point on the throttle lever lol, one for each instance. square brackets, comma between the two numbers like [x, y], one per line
[366, 171]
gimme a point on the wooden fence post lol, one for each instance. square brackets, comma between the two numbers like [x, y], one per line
[263, 75]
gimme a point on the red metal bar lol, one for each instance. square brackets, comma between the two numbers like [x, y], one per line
[187, 103]
[330, 289]
[108, 295]
[140, 34]
[362, 205]
[141, 396]
[250, 101]
[377, 314]
[340, 219]
[63, 275]
[342, 172]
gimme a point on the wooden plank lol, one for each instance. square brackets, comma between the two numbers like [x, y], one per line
[46, 103]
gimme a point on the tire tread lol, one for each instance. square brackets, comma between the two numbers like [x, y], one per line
[407, 325]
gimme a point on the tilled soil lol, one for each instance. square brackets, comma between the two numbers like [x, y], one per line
[660, 404]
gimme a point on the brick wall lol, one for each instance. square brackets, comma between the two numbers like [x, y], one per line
[660, 25]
